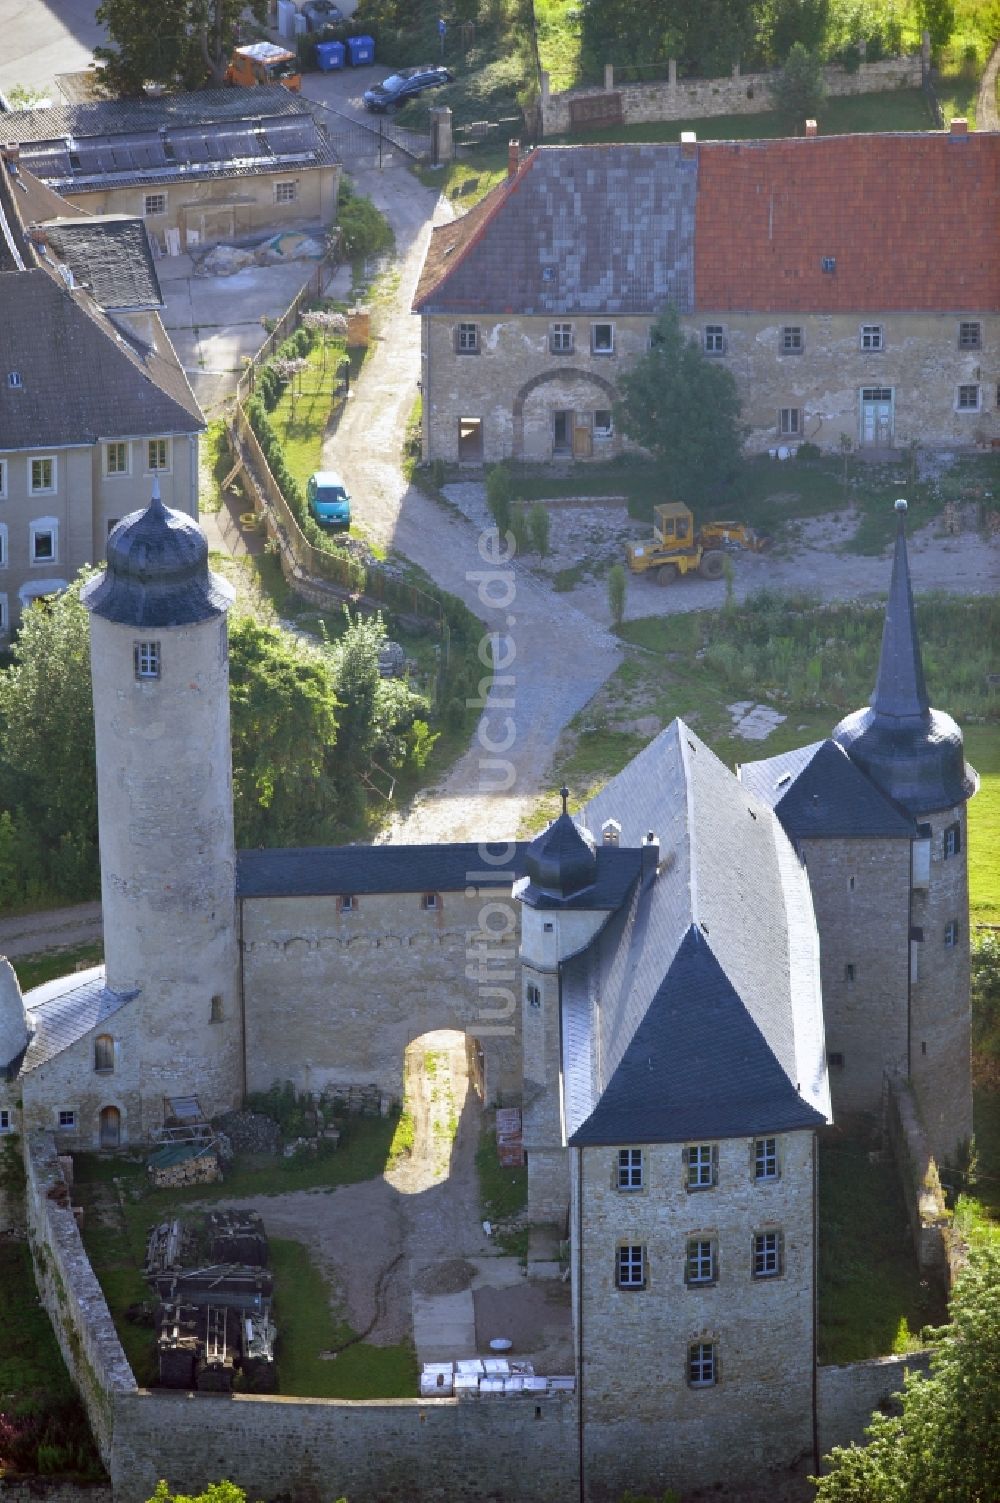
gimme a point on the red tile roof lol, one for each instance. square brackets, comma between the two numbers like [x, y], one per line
[912, 221]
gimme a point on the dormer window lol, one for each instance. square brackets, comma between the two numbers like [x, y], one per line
[611, 832]
[14, 380]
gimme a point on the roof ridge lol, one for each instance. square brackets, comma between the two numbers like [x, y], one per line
[503, 191]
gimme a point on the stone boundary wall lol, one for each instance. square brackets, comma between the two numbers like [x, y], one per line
[846, 1396]
[52, 1490]
[742, 94]
[925, 1203]
[481, 1449]
[71, 1294]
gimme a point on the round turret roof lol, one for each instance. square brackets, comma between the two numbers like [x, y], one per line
[157, 572]
[562, 861]
[14, 1031]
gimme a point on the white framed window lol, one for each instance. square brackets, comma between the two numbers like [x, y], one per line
[146, 659]
[629, 1169]
[467, 339]
[116, 458]
[715, 339]
[6, 1119]
[701, 1264]
[154, 203]
[792, 342]
[561, 339]
[602, 339]
[3, 479]
[701, 1166]
[967, 397]
[765, 1158]
[768, 1255]
[970, 335]
[872, 337]
[3, 545]
[286, 192]
[952, 841]
[429, 900]
[702, 1364]
[603, 422]
[43, 474]
[790, 421]
[951, 934]
[66, 1118]
[157, 455]
[104, 1054]
[43, 540]
[630, 1266]
[533, 995]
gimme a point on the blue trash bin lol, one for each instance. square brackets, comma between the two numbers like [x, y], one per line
[360, 50]
[329, 56]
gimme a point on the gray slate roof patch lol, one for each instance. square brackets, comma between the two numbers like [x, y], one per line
[109, 255]
[818, 793]
[64, 1010]
[323, 871]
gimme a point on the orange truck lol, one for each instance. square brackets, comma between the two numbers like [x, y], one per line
[264, 63]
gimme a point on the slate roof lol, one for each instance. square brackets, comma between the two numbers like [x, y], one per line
[818, 793]
[83, 380]
[109, 255]
[614, 874]
[178, 137]
[715, 957]
[886, 207]
[600, 229]
[64, 1010]
[14, 251]
[320, 871]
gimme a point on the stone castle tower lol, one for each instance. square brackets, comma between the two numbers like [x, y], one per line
[159, 659]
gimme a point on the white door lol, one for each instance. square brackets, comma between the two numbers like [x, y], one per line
[876, 417]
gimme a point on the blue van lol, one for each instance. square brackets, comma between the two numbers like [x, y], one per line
[327, 499]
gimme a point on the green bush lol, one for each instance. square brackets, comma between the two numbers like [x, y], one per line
[364, 230]
[617, 586]
[521, 529]
[540, 524]
[499, 497]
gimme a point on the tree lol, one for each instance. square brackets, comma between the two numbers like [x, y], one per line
[617, 583]
[946, 1443]
[798, 90]
[684, 410]
[182, 41]
[937, 18]
[785, 22]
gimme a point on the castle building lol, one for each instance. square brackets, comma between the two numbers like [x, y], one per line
[698, 962]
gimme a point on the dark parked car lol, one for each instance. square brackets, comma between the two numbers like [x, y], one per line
[407, 84]
[320, 13]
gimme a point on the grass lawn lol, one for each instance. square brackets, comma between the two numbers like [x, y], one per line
[300, 419]
[982, 749]
[871, 1300]
[33, 970]
[986, 1117]
[503, 1193]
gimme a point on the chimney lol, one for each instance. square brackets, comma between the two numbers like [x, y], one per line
[812, 128]
[10, 153]
[959, 126]
[513, 157]
[38, 235]
[649, 856]
[689, 145]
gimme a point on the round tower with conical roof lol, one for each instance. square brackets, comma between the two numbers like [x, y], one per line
[915, 755]
[159, 662]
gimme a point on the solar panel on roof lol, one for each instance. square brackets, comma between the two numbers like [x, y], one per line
[189, 146]
[149, 152]
[47, 158]
[285, 136]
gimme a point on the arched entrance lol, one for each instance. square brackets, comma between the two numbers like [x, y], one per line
[111, 1127]
[564, 413]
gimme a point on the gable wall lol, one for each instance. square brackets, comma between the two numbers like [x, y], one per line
[69, 1080]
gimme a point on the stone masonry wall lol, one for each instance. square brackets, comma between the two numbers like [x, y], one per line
[742, 94]
[69, 1081]
[71, 1294]
[52, 1490]
[481, 1450]
[925, 1202]
[846, 1396]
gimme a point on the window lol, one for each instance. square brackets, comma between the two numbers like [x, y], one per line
[630, 1267]
[630, 1168]
[14, 380]
[561, 339]
[4, 617]
[871, 337]
[970, 336]
[157, 455]
[3, 545]
[44, 536]
[835, 1061]
[951, 934]
[116, 459]
[715, 339]
[346, 903]
[6, 1119]
[791, 340]
[66, 1118]
[790, 421]
[767, 1255]
[602, 339]
[104, 1053]
[850, 884]
[849, 971]
[154, 203]
[702, 1164]
[3, 479]
[146, 659]
[700, 1264]
[603, 422]
[468, 339]
[765, 1158]
[952, 841]
[216, 1013]
[533, 995]
[429, 900]
[41, 476]
[968, 398]
[703, 1367]
[286, 193]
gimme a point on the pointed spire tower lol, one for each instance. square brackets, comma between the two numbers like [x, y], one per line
[913, 753]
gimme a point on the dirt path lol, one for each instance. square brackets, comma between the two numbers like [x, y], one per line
[54, 929]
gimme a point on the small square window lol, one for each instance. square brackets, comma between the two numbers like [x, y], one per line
[952, 841]
[715, 339]
[790, 421]
[429, 900]
[765, 1158]
[146, 658]
[791, 340]
[116, 459]
[154, 203]
[561, 339]
[699, 1261]
[43, 545]
[156, 454]
[968, 398]
[66, 1118]
[41, 476]
[767, 1255]
[629, 1168]
[702, 1166]
[533, 995]
[603, 422]
[871, 337]
[702, 1365]
[468, 339]
[970, 336]
[602, 339]
[6, 1119]
[286, 193]
[630, 1267]
[951, 934]
[835, 1061]
[346, 903]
